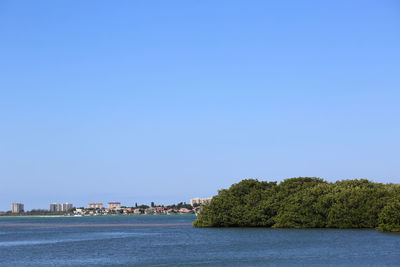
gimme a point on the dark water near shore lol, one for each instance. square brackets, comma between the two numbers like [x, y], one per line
[172, 241]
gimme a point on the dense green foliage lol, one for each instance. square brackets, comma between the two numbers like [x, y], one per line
[304, 203]
[389, 218]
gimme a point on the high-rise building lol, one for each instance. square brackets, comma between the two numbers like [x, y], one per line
[54, 207]
[17, 207]
[66, 206]
[199, 201]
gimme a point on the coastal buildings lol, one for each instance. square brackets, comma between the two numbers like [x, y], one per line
[138, 211]
[67, 206]
[199, 201]
[54, 207]
[160, 210]
[184, 211]
[17, 207]
[95, 205]
[114, 206]
[149, 211]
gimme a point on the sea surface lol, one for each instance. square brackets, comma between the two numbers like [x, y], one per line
[170, 240]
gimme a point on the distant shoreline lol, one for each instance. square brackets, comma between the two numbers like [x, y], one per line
[110, 215]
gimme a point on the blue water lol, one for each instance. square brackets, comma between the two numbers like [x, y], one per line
[171, 241]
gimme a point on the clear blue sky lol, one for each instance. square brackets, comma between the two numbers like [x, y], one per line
[135, 101]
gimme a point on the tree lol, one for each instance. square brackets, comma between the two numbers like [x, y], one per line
[357, 204]
[307, 208]
[304, 202]
[389, 218]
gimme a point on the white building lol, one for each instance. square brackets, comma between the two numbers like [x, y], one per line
[200, 201]
[149, 211]
[17, 207]
[67, 206]
[54, 207]
[114, 205]
[95, 205]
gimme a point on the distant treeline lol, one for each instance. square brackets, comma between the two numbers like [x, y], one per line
[305, 203]
[34, 212]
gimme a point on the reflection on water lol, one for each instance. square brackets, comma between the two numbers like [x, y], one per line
[83, 237]
[89, 225]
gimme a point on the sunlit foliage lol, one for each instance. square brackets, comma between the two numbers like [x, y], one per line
[304, 202]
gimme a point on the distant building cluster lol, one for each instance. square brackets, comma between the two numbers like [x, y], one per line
[198, 201]
[54, 207]
[17, 207]
[96, 208]
[95, 205]
[114, 206]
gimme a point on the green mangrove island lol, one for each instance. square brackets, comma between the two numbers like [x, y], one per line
[305, 202]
